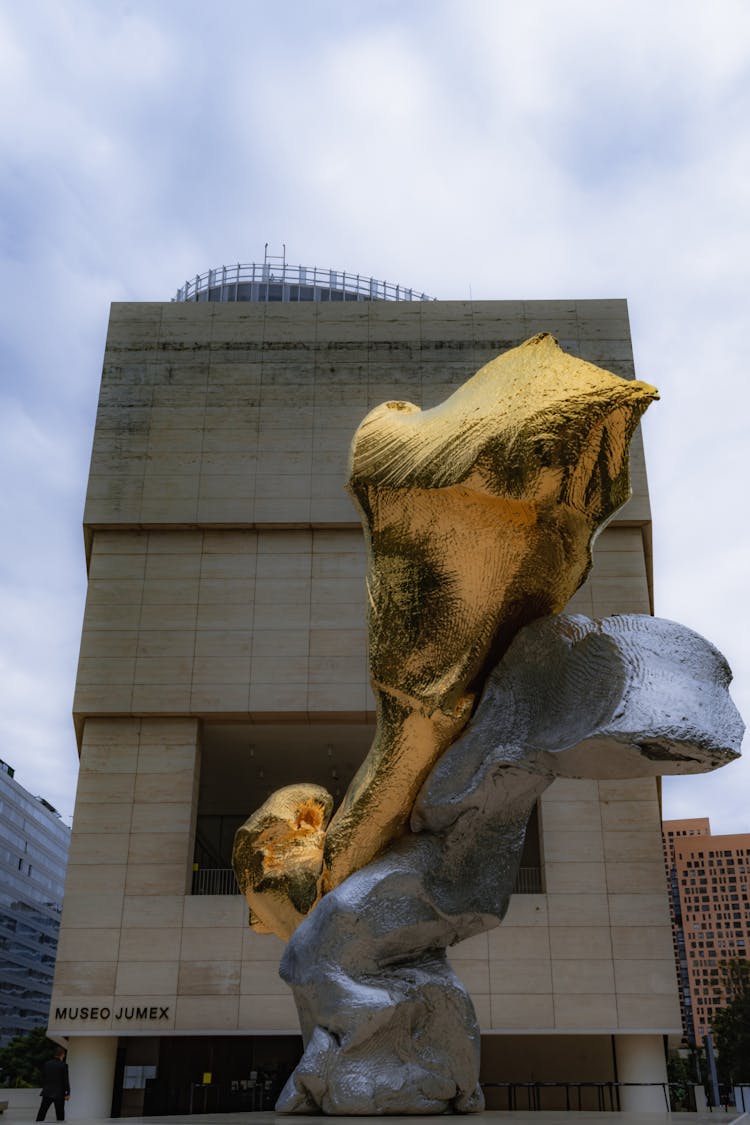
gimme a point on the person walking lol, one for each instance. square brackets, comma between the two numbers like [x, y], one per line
[55, 1085]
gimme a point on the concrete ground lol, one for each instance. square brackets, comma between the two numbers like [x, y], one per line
[490, 1117]
[27, 1112]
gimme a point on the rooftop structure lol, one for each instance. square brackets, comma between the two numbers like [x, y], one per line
[275, 280]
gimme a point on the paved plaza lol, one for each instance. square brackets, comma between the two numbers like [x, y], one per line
[495, 1117]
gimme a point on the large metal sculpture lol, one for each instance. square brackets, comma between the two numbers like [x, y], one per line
[480, 516]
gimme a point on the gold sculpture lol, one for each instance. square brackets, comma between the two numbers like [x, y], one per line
[479, 516]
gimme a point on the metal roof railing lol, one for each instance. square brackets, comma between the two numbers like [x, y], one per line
[269, 281]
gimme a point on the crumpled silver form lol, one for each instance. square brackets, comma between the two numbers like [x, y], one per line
[387, 1026]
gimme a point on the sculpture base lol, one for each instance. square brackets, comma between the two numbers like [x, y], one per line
[412, 1051]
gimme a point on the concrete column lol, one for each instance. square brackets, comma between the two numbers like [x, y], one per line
[640, 1058]
[91, 1062]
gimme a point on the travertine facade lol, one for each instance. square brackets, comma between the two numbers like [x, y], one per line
[224, 653]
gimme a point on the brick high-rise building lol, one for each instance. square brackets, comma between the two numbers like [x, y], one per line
[709, 881]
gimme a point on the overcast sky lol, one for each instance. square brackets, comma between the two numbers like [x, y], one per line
[481, 148]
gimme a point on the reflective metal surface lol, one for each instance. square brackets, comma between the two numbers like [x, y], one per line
[277, 857]
[387, 1026]
[479, 516]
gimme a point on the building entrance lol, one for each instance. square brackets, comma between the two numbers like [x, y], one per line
[202, 1074]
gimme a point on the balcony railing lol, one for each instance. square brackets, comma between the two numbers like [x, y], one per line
[215, 881]
[528, 881]
[253, 281]
[221, 881]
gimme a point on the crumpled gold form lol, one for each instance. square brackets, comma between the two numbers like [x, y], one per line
[479, 516]
[278, 857]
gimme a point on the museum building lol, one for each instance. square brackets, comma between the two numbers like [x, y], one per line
[224, 655]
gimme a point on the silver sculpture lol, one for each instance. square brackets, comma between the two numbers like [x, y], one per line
[387, 1026]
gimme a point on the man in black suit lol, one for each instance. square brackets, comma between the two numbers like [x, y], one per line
[55, 1086]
